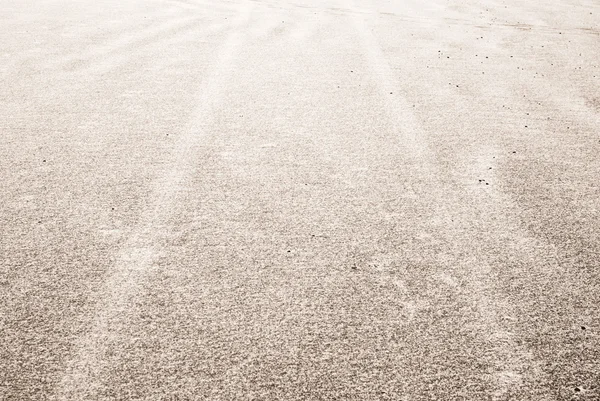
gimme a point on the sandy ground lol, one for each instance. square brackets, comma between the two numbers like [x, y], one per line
[299, 200]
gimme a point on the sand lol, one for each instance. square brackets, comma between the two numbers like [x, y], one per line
[299, 200]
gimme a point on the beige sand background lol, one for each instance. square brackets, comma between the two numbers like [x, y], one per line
[299, 200]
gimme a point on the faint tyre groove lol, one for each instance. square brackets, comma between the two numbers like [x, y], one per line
[511, 360]
[83, 375]
[116, 55]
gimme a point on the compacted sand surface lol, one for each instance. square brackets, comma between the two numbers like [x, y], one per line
[299, 200]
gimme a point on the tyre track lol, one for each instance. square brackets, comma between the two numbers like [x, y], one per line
[102, 61]
[510, 360]
[83, 375]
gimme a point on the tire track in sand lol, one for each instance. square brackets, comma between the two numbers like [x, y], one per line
[83, 374]
[509, 359]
